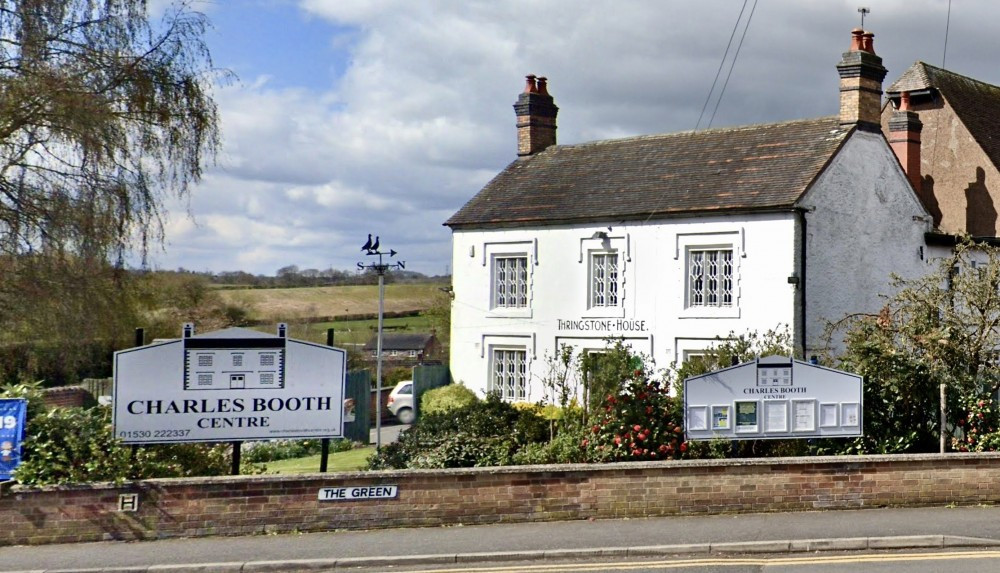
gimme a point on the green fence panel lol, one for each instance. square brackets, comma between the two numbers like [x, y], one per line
[427, 378]
[359, 389]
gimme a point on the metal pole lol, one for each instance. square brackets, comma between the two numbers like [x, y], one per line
[378, 364]
[324, 457]
[237, 450]
[944, 416]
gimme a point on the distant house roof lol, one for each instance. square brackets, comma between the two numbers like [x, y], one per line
[976, 103]
[397, 341]
[758, 167]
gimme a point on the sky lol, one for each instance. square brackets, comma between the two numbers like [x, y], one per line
[351, 117]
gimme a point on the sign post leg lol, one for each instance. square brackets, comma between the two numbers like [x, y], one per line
[237, 450]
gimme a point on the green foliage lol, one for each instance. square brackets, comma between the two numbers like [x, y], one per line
[76, 445]
[446, 398]
[943, 328]
[737, 349]
[977, 428]
[640, 419]
[483, 433]
[604, 372]
[272, 451]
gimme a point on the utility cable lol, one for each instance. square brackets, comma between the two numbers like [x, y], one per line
[947, 26]
[733, 64]
[721, 64]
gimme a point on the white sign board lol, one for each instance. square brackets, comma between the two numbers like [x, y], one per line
[358, 492]
[229, 385]
[773, 397]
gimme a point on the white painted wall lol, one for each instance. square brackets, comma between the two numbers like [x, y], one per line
[867, 224]
[653, 290]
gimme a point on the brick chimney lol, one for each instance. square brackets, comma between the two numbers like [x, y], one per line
[861, 75]
[536, 117]
[904, 137]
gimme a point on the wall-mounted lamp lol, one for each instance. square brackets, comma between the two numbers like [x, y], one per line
[599, 235]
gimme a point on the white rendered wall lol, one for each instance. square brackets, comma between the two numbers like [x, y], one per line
[866, 224]
[653, 315]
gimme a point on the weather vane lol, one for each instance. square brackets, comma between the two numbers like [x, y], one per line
[371, 249]
[864, 10]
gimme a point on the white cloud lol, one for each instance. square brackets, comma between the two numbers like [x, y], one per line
[421, 116]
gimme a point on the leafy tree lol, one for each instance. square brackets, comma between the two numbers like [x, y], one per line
[938, 329]
[103, 114]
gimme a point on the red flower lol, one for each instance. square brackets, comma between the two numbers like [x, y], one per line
[684, 447]
[637, 427]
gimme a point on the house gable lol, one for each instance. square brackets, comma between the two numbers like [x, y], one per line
[960, 147]
[862, 222]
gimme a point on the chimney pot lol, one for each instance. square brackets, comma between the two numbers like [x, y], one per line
[856, 40]
[542, 89]
[904, 101]
[868, 42]
[529, 86]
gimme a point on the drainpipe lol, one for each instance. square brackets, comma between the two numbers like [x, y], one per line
[801, 248]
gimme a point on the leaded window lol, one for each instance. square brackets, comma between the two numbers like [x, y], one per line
[603, 280]
[710, 277]
[510, 374]
[510, 282]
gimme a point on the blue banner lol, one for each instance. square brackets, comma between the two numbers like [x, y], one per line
[12, 418]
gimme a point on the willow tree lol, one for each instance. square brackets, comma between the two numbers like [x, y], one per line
[105, 112]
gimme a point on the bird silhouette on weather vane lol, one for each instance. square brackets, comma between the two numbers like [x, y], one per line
[371, 248]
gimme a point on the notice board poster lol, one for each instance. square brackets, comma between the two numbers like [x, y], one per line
[13, 413]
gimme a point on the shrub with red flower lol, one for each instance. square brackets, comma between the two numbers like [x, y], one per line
[976, 430]
[640, 422]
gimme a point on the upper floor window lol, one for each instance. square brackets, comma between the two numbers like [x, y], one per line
[710, 278]
[603, 280]
[510, 281]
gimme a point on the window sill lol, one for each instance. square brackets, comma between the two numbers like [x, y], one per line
[509, 313]
[604, 312]
[710, 312]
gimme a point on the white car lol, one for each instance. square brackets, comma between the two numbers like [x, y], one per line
[400, 402]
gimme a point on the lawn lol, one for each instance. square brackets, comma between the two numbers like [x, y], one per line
[350, 460]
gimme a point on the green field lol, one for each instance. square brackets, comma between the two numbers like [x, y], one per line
[300, 307]
[297, 304]
[350, 460]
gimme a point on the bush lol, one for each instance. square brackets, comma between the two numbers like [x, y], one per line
[272, 451]
[76, 445]
[483, 433]
[446, 399]
[641, 420]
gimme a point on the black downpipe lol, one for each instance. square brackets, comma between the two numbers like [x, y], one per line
[801, 287]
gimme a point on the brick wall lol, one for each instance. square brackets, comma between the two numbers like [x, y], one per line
[260, 504]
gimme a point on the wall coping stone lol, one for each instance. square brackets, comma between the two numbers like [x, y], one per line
[804, 461]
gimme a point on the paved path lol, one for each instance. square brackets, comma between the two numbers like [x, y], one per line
[747, 533]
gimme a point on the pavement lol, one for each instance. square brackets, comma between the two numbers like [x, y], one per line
[835, 530]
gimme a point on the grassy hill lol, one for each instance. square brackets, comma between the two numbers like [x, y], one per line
[309, 310]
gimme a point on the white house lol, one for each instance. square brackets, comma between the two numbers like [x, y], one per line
[669, 241]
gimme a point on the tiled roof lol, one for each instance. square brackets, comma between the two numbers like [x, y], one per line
[397, 341]
[758, 167]
[976, 103]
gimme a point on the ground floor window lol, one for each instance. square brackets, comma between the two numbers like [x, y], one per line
[510, 373]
